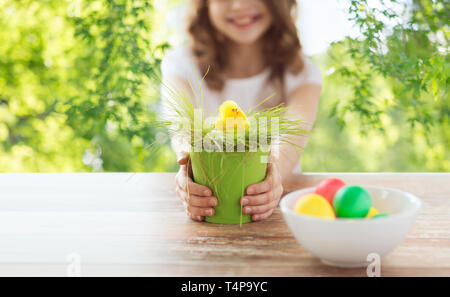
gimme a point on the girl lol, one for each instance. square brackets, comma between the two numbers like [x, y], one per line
[252, 50]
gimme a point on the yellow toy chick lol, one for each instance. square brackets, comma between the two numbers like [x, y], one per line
[230, 109]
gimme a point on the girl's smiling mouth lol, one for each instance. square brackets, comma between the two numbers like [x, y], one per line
[244, 21]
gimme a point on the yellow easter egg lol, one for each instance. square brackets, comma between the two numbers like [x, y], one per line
[372, 212]
[314, 205]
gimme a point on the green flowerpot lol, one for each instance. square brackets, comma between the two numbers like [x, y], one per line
[228, 174]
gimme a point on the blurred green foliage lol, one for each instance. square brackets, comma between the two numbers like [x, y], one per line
[77, 94]
[385, 105]
[76, 87]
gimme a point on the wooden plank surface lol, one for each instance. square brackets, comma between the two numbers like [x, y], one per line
[133, 224]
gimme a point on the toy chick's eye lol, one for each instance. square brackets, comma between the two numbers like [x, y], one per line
[233, 109]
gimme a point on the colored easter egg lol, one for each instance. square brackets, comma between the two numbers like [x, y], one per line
[380, 215]
[328, 188]
[352, 202]
[372, 212]
[314, 205]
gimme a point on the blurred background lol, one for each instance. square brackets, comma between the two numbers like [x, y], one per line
[78, 94]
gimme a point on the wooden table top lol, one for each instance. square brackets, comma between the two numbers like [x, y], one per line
[133, 225]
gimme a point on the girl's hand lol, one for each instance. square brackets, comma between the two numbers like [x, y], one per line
[199, 202]
[263, 198]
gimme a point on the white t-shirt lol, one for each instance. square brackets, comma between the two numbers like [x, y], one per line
[245, 91]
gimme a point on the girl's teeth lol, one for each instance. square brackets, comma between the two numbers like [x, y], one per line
[243, 21]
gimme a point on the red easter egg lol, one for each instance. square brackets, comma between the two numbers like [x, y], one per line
[328, 188]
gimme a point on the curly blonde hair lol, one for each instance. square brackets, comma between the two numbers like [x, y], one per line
[282, 48]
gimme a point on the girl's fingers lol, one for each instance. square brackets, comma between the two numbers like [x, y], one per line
[195, 200]
[196, 211]
[194, 188]
[199, 201]
[264, 198]
[259, 199]
[259, 209]
[200, 211]
[274, 157]
[179, 193]
[264, 186]
[202, 201]
[182, 158]
[195, 218]
[263, 216]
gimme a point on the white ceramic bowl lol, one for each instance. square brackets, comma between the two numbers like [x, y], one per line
[348, 242]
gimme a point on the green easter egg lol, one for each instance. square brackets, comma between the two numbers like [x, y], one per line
[381, 215]
[352, 202]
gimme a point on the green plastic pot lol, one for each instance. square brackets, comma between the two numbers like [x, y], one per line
[228, 174]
